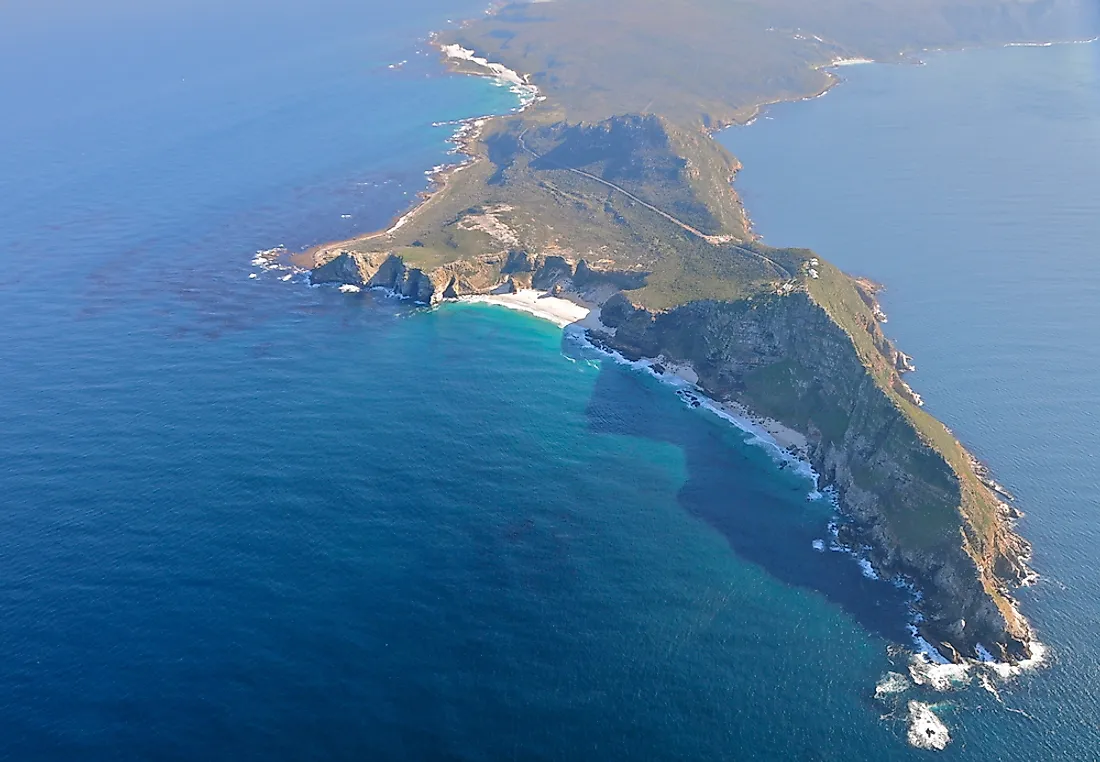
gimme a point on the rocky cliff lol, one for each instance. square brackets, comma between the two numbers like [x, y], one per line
[919, 513]
[500, 273]
[811, 355]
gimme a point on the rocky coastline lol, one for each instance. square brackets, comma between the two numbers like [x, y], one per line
[613, 215]
[856, 436]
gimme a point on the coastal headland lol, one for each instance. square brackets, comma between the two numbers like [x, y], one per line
[607, 190]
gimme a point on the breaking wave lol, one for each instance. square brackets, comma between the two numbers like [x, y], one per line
[926, 730]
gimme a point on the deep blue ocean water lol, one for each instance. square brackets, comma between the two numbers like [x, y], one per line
[247, 519]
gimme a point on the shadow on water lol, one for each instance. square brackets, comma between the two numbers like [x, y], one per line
[763, 513]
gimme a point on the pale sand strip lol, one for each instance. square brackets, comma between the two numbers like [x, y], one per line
[561, 312]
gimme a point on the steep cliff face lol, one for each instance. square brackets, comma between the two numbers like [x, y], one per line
[392, 273]
[787, 358]
[503, 272]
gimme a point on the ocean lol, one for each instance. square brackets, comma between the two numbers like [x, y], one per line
[244, 518]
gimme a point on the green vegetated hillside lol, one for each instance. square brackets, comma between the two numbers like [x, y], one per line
[622, 195]
[611, 189]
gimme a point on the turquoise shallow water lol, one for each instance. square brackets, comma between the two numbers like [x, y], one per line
[243, 518]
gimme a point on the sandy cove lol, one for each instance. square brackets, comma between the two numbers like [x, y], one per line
[558, 310]
[571, 310]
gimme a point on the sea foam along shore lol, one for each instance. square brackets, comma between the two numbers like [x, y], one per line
[786, 445]
[832, 80]
[926, 730]
[927, 667]
[519, 85]
[468, 131]
[1051, 44]
[465, 136]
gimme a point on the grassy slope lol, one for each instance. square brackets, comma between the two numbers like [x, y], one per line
[552, 210]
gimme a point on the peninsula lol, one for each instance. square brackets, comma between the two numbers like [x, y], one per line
[606, 188]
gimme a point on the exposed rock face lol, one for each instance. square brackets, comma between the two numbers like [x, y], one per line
[903, 362]
[785, 357]
[490, 273]
[627, 280]
[390, 272]
[551, 271]
[518, 261]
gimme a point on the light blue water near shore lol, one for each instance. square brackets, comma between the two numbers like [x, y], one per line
[246, 519]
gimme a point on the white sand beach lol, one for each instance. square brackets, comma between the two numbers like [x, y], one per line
[558, 310]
